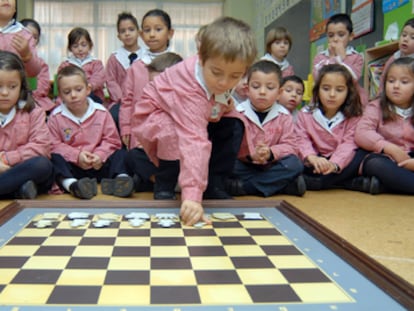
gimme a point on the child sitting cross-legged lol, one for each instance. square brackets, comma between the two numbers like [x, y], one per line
[267, 161]
[86, 146]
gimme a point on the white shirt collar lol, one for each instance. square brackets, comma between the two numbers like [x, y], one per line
[404, 113]
[146, 56]
[283, 64]
[92, 107]
[12, 27]
[248, 110]
[326, 123]
[349, 50]
[80, 62]
[200, 79]
[7, 118]
[397, 55]
[122, 56]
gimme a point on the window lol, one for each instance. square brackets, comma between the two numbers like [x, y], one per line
[58, 17]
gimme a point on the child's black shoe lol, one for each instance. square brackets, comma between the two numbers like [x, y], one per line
[84, 188]
[375, 186]
[234, 187]
[27, 191]
[296, 187]
[121, 186]
[361, 184]
[164, 195]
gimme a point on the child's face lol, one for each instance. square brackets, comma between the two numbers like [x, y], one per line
[291, 94]
[74, 92]
[221, 76]
[128, 34]
[34, 32]
[7, 9]
[81, 48]
[332, 93]
[155, 33]
[10, 86]
[338, 34]
[263, 90]
[399, 86]
[280, 48]
[406, 43]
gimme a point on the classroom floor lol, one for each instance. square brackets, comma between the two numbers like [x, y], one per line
[381, 226]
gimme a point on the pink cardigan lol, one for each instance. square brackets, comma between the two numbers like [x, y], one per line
[172, 118]
[25, 137]
[373, 134]
[338, 145]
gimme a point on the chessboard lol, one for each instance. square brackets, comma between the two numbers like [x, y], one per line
[135, 257]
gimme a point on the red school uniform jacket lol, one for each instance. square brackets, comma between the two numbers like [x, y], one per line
[97, 133]
[277, 131]
[32, 67]
[313, 138]
[372, 133]
[171, 123]
[25, 136]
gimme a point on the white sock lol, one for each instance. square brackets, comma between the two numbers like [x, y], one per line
[67, 182]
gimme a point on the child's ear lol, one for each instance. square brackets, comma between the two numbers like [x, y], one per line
[351, 36]
[170, 33]
[89, 88]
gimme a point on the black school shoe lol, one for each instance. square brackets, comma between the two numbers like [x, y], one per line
[27, 191]
[234, 187]
[296, 187]
[121, 186]
[84, 188]
[370, 185]
[164, 195]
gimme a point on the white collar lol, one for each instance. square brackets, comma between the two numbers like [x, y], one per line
[122, 56]
[397, 55]
[404, 113]
[283, 64]
[198, 70]
[12, 27]
[146, 56]
[80, 62]
[247, 108]
[7, 118]
[348, 51]
[92, 107]
[328, 124]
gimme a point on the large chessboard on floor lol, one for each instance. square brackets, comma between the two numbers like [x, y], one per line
[256, 255]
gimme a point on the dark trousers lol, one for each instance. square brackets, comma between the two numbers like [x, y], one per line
[395, 179]
[113, 166]
[225, 135]
[38, 169]
[268, 181]
[341, 180]
[138, 163]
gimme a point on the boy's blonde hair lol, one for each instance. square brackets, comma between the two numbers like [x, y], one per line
[70, 71]
[278, 33]
[228, 38]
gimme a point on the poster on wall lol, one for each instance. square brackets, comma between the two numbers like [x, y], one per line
[362, 17]
[321, 11]
[389, 5]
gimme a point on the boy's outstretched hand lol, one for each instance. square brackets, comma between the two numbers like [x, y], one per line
[192, 212]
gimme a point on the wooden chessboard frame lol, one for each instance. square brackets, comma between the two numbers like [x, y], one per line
[395, 286]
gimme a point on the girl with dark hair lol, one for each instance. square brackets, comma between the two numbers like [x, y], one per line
[25, 167]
